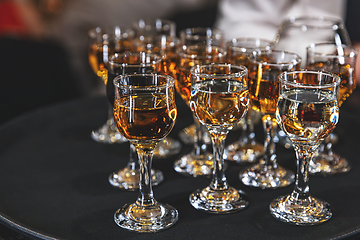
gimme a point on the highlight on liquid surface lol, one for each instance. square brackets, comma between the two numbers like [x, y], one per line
[219, 103]
[145, 116]
[307, 116]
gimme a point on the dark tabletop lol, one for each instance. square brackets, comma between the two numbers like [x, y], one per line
[53, 182]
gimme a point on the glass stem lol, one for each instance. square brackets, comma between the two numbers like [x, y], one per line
[244, 133]
[110, 120]
[133, 163]
[218, 181]
[269, 144]
[250, 127]
[303, 155]
[145, 197]
[328, 146]
[200, 147]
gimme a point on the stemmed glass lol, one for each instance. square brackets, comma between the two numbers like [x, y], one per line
[157, 36]
[307, 112]
[104, 42]
[121, 64]
[219, 99]
[246, 149]
[340, 60]
[145, 112]
[296, 33]
[264, 89]
[198, 46]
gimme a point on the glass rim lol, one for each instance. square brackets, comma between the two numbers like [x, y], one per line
[156, 59]
[283, 79]
[181, 52]
[110, 31]
[159, 24]
[301, 21]
[241, 73]
[248, 39]
[297, 59]
[189, 32]
[239, 45]
[169, 83]
[310, 49]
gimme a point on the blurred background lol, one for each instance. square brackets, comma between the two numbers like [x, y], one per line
[44, 43]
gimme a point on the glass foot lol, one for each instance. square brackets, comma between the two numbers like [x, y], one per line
[187, 135]
[243, 153]
[219, 201]
[324, 164]
[263, 176]
[310, 211]
[195, 165]
[108, 133]
[128, 179]
[167, 147]
[158, 217]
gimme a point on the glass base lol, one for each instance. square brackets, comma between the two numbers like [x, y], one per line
[263, 176]
[243, 153]
[108, 134]
[194, 165]
[219, 201]
[167, 147]
[146, 219]
[307, 212]
[128, 179]
[324, 164]
[187, 135]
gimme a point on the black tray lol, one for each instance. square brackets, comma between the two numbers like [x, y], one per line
[53, 183]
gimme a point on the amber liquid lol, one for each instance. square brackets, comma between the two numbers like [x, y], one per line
[238, 59]
[99, 56]
[264, 93]
[133, 65]
[166, 50]
[222, 104]
[194, 56]
[145, 116]
[307, 115]
[345, 72]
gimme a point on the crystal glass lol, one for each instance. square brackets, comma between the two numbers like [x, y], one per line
[307, 112]
[145, 112]
[191, 37]
[264, 89]
[219, 99]
[246, 149]
[198, 46]
[121, 64]
[340, 60]
[157, 36]
[103, 42]
[296, 33]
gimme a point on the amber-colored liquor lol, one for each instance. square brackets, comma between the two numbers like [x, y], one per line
[96, 60]
[238, 59]
[99, 56]
[162, 46]
[128, 65]
[344, 71]
[264, 93]
[145, 117]
[221, 104]
[307, 115]
[195, 55]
